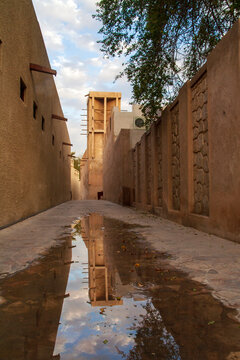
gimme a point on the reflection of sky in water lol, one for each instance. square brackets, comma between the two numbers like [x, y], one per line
[83, 330]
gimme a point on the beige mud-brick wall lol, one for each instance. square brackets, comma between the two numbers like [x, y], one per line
[175, 165]
[134, 173]
[197, 149]
[159, 164]
[200, 146]
[99, 109]
[118, 176]
[148, 168]
[120, 138]
[139, 173]
[34, 162]
[75, 183]
[83, 176]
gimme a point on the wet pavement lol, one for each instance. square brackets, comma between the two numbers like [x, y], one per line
[105, 293]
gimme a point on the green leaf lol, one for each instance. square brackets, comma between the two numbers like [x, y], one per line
[211, 322]
[164, 43]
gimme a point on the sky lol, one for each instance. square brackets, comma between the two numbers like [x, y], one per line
[70, 34]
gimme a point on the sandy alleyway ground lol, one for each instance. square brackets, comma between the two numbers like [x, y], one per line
[206, 258]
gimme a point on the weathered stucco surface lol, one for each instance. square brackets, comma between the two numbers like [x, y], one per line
[118, 157]
[34, 164]
[75, 183]
[118, 181]
[175, 165]
[187, 165]
[200, 146]
[99, 108]
[148, 167]
[159, 165]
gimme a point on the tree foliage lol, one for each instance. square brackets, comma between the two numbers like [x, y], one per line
[152, 340]
[76, 161]
[164, 42]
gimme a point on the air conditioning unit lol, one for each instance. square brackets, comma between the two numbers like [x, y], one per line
[139, 122]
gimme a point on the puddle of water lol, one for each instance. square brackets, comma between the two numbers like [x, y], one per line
[104, 294]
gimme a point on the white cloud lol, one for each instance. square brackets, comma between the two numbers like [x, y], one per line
[90, 5]
[96, 61]
[109, 71]
[84, 41]
[58, 11]
[70, 34]
[53, 40]
[87, 345]
[73, 75]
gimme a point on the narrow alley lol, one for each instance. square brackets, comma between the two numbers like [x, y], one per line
[95, 280]
[119, 203]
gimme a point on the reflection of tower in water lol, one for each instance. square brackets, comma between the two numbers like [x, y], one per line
[100, 277]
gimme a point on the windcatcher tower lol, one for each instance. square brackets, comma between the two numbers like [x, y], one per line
[99, 108]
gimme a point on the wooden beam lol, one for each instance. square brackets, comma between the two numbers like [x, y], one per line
[57, 117]
[39, 68]
[68, 144]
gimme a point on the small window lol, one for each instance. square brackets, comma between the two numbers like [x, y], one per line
[60, 154]
[53, 139]
[34, 110]
[22, 90]
[43, 123]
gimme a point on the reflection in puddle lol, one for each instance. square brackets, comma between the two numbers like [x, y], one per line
[104, 295]
[100, 279]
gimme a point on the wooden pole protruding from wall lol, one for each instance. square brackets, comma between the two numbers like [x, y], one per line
[67, 144]
[39, 68]
[57, 117]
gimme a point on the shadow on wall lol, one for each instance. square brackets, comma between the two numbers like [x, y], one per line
[186, 167]
[35, 144]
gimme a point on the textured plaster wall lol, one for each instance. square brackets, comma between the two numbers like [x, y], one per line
[139, 174]
[187, 166]
[99, 108]
[148, 168]
[75, 183]
[84, 180]
[175, 161]
[118, 181]
[159, 165]
[34, 170]
[200, 146]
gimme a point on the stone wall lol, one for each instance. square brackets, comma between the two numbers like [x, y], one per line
[159, 165]
[175, 164]
[118, 164]
[139, 172]
[134, 157]
[200, 146]
[187, 165]
[148, 168]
